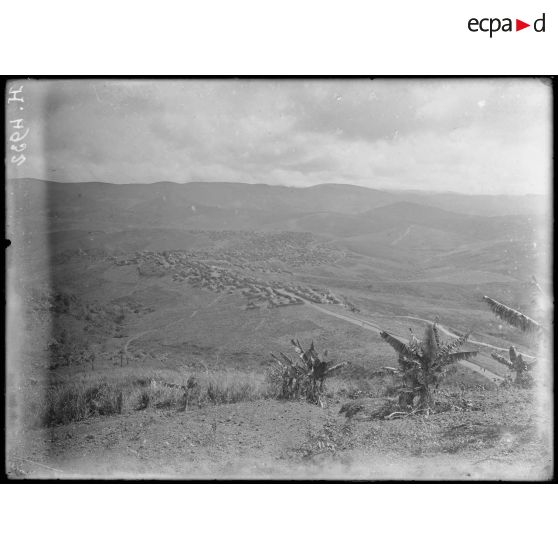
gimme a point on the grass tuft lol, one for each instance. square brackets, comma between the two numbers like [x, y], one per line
[72, 403]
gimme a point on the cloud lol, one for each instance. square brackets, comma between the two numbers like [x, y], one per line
[478, 135]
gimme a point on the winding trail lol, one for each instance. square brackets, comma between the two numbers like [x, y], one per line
[400, 238]
[371, 326]
[450, 334]
[365, 324]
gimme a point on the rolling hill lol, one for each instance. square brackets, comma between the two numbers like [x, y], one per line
[129, 287]
[163, 245]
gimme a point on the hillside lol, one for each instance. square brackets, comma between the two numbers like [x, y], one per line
[204, 280]
[338, 237]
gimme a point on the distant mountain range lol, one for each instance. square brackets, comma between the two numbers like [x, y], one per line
[336, 198]
[394, 225]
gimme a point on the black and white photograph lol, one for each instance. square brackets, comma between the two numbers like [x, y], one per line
[279, 279]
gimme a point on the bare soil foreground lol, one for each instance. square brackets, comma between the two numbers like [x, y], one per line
[488, 439]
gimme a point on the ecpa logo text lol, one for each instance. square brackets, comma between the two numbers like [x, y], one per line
[494, 24]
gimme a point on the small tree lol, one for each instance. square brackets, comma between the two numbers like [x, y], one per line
[518, 365]
[307, 378]
[423, 364]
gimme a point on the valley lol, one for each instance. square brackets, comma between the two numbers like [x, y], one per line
[194, 280]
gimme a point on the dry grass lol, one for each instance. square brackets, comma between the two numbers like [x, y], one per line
[70, 397]
[73, 395]
[65, 404]
[227, 386]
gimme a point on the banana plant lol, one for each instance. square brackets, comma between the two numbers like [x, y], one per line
[423, 364]
[307, 377]
[516, 364]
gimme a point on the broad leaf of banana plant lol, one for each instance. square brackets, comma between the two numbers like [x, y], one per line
[430, 346]
[513, 317]
[399, 346]
[502, 360]
[452, 358]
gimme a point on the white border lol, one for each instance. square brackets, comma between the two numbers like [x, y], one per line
[286, 37]
[399, 37]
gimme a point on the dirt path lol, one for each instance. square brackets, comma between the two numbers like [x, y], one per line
[371, 326]
[366, 324]
[400, 238]
[450, 334]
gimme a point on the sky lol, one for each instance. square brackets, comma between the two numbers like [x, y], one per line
[476, 136]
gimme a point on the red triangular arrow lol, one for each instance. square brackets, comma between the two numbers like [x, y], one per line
[519, 25]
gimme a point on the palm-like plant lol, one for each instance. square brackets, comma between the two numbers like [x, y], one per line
[423, 364]
[518, 365]
[514, 317]
[307, 377]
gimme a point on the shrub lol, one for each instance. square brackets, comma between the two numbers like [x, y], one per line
[330, 440]
[302, 380]
[143, 400]
[192, 393]
[104, 399]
